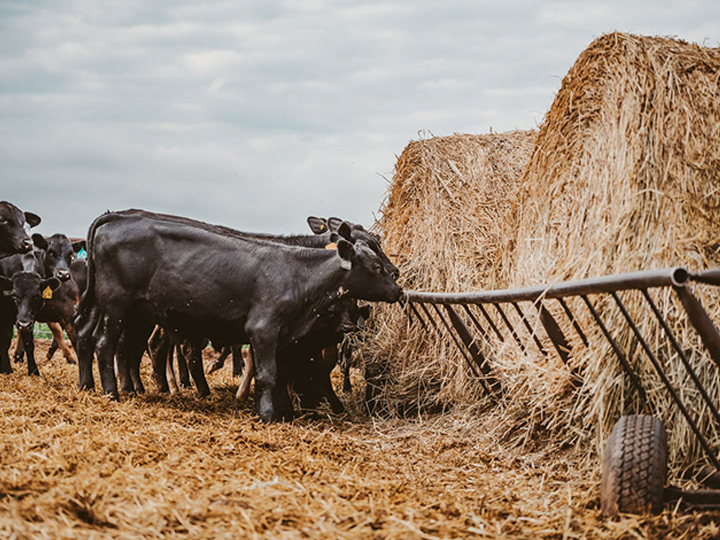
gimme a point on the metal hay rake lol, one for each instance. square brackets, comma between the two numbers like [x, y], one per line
[634, 465]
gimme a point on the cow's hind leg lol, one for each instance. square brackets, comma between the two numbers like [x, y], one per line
[191, 350]
[160, 346]
[106, 347]
[58, 338]
[131, 348]
[87, 331]
[183, 365]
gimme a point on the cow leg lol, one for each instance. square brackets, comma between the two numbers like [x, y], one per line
[272, 401]
[106, 347]
[220, 360]
[53, 349]
[6, 335]
[19, 353]
[183, 369]
[303, 384]
[58, 337]
[131, 348]
[28, 341]
[345, 361]
[329, 359]
[86, 329]
[191, 350]
[248, 373]
[237, 360]
[160, 346]
[170, 376]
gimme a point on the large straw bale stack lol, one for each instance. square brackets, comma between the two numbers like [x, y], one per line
[443, 224]
[624, 176]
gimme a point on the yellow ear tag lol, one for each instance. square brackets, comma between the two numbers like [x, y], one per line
[332, 246]
[47, 293]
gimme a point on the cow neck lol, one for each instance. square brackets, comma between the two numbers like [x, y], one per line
[324, 288]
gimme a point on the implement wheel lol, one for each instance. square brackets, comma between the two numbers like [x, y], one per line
[634, 467]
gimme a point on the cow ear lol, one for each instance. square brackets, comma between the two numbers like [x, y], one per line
[347, 253]
[32, 219]
[6, 286]
[317, 225]
[78, 246]
[53, 282]
[39, 241]
[345, 231]
[334, 223]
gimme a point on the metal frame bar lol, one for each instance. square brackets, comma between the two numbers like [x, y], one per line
[676, 278]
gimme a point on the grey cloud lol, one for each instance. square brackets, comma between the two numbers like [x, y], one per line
[257, 113]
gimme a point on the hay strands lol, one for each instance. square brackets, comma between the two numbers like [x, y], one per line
[522, 327]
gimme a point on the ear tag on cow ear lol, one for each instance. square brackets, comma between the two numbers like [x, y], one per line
[47, 293]
[82, 254]
[347, 265]
[332, 246]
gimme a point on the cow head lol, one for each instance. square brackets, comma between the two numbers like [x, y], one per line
[14, 225]
[28, 291]
[59, 253]
[352, 232]
[342, 317]
[368, 278]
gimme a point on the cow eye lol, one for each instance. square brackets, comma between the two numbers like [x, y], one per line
[377, 268]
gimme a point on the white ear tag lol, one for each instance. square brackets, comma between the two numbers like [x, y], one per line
[347, 265]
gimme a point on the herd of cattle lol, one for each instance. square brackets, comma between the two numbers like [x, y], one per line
[158, 283]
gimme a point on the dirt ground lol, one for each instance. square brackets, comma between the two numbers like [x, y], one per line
[74, 465]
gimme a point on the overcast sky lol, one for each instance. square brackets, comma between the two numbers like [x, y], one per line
[256, 114]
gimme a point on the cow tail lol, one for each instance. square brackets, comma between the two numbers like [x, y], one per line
[88, 298]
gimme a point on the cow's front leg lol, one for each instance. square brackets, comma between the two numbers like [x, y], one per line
[28, 341]
[19, 353]
[6, 335]
[267, 393]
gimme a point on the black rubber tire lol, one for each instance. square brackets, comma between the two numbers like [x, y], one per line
[634, 467]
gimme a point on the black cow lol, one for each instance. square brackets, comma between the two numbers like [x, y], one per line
[13, 229]
[203, 282]
[24, 293]
[55, 254]
[309, 360]
[162, 344]
[78, 273]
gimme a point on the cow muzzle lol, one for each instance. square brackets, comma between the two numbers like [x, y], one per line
[27, 245]
[25, 326]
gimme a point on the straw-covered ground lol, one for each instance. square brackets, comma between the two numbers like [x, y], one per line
[74, 465]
